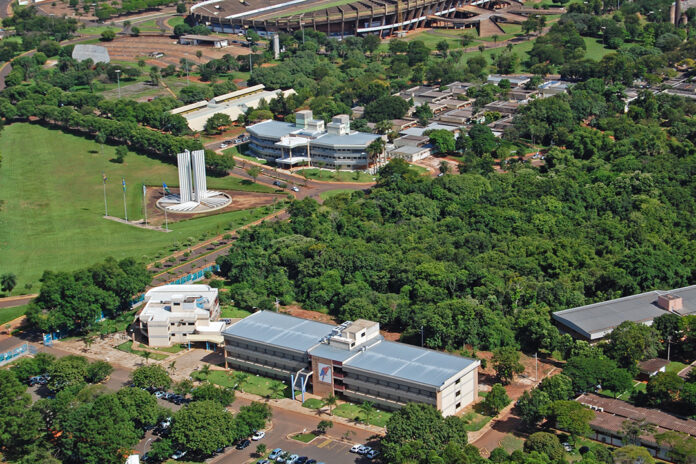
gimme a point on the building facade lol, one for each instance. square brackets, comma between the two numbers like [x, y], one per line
[308, 141]
[176, 314]
[352, 359]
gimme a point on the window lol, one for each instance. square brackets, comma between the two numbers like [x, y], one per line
[459, 392]
[458, 405]
[457, 381]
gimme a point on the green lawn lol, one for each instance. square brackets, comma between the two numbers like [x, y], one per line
[675, 367]
[304, 437]
[168, 349]
[175, 21]
[96, 30]
[254, 384]
[352, 411]
[230, 312]
[511, 443]
[595, 49]
[475, 421]
[128, 348]
[638, 386]
[10, 314]
[54, 203]
[234, 151]
[333, 193]
[313, 403]
[340, 176]
[148, 26]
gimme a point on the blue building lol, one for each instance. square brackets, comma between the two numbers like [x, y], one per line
[309, 142]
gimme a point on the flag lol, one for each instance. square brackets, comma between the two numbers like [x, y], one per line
[103, 177]
[123, 181]
[166, 189]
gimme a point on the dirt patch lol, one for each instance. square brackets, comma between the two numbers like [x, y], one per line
[136, 48]
[240, 201]
[295, 310]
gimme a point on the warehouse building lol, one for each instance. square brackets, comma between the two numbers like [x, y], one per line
[351, 359]
[595, 321]
[176, 314]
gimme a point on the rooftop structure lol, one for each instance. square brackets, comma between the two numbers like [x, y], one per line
[232, 104]
[96, 53]
[515, 81]
[651, 367]
[309, 141]
[419, 131]
[610, 414]
[597, 320]
[352, 358]
[11, 348]
[181, 314]
[212, 40]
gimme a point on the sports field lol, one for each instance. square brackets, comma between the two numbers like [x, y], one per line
[51, 217]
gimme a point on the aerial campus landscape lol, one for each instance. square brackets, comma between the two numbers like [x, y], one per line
[348, 231]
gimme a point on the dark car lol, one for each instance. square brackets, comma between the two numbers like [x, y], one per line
[243, 444]
[302, 460]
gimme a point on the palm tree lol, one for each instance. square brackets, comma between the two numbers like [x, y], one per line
[172, 366]
[240, 378]
[277, 390]
[8, 282]
[146, 355]
[330, 401]
[368, 410]
[88, 340]
[374, 150]
[205, 370]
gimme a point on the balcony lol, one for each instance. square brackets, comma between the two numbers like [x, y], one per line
[339, 387]
[338, 375]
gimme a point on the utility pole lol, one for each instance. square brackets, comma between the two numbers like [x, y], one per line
[421, 336]
[125, 209]
[118, 82]
[166, 224]
[669, 339]
[106, 210]
[536, 367]
[145, 202]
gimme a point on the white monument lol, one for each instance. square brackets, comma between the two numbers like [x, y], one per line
[194, 196]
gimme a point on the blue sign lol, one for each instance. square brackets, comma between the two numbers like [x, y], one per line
[47, 339]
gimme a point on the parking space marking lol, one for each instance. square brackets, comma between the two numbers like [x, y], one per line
[326, 442]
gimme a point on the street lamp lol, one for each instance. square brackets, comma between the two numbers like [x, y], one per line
[118, 82]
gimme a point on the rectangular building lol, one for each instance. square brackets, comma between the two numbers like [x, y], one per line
[352, 359]
[309, 142]
[181, 314]
[595, 321]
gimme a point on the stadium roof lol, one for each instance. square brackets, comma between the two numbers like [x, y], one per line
[280, 330]
[410, 363]
[95, 53]
[597, 320]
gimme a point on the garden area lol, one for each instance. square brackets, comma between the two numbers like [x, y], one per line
[127, 347]
[335, 176]
[250, 383]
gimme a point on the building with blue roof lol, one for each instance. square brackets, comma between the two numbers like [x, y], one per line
[352, 359]
[309, 142]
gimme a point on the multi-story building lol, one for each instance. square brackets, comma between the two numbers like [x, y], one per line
[308, 141]
[181, 314]
[352, 359]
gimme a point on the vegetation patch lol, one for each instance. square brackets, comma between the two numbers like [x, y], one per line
[230, 312]
[128, 348]
[475, 421]
[10, 314]
[313, 403]
[353, 411]
[250, 383]
[304, 437]
[335, 176]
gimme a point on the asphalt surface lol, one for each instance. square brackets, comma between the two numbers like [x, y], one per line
[16, 301]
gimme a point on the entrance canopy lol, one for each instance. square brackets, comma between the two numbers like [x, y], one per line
[292, 160]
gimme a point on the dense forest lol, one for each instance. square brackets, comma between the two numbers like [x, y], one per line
[481, 258]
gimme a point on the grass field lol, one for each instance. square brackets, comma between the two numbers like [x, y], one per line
[333, 176]
[304, 437]
[232, 312]
[96, 30]
[254, 384]
[675, 366]
[128, 348]
[352, 411]
[54, 203]
[313, 403]
[175, 21]
[10, 314]
[475, 421]
[511, 443]
[333, 193]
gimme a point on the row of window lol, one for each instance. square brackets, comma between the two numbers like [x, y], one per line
[268, 351]
[392, 385]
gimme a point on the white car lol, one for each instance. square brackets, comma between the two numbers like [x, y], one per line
[294, 189]
[223, 145]
[364, 450]
[355, 448]
[178, 455]
[258, 435]
[567, 446]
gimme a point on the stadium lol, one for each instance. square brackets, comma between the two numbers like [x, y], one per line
[343, 18]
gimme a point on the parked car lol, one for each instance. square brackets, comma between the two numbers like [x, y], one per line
[263, 461]
[243, 444]
[364, 450]
[178, 454]
[311, 461]
[258, 435]
[292, 459]
[283, 457]
[355, 448]
[294, 188]
[160, 394]
[275, 453]
[302, 460]
[223, 145]
[372, 454]
[567, 446]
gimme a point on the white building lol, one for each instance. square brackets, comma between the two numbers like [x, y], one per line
[181, 314]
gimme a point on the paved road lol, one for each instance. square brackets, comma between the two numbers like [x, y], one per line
[13, 301]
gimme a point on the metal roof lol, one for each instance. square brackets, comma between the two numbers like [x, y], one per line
[355, 139]
[598, 319]
[280, 330]
[271, 128]
[411, 363]
[325, 350]
[96, 53]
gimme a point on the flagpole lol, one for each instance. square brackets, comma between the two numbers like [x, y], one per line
[166, 224]
[145, 202]
[125, 209]
[106, 210]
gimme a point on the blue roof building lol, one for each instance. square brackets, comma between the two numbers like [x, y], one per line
[309, 142]
[352, 359]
